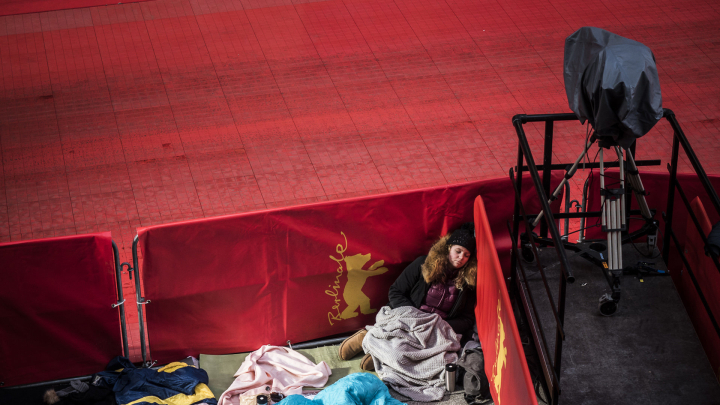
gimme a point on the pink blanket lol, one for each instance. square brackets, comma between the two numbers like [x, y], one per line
[275, 369]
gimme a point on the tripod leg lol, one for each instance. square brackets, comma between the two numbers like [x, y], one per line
[568, 176]
[602, 187]
[637, 186]
[612, 217]
[621, 163]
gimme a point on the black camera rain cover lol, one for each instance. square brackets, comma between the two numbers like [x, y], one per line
[612, 82]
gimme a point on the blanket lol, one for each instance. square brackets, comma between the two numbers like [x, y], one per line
[274, 369]
[410, 349]
[354, 389]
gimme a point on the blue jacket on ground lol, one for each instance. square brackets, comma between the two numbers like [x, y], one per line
[148, 386]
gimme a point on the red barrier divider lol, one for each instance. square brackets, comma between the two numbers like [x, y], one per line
[231, 284]
[505, 364]
[56, 315]
[708, 280]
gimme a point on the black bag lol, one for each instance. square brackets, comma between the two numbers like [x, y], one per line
[475, 382]
[713, 241]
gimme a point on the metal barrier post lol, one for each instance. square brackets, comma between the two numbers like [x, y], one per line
[121, 301]
[140, 300]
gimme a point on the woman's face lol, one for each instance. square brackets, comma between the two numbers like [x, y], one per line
[458, 256]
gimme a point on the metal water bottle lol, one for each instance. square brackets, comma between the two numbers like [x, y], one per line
[450, 372]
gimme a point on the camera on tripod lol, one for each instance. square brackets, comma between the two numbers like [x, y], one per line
[612, 83]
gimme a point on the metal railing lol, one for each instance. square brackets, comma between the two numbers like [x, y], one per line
[679, 139]
[552, 367]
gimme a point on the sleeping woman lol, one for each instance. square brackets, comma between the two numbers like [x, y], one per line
[443, 282]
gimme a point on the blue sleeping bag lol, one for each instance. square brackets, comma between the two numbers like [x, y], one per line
[355, 389]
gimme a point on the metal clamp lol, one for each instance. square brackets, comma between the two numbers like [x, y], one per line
[129, 269]
[149, 363]
[144, 301]
[117, 304]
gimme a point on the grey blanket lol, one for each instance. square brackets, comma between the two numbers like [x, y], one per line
[410, 349]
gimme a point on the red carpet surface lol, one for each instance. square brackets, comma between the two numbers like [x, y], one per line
[12, 7]
[116, 117]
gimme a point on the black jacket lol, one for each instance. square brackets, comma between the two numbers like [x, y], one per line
[410, 289]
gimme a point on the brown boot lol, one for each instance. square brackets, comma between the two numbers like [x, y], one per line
[367, 363]
[352, 346]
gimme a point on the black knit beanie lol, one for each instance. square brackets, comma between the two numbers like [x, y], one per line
[464, 236]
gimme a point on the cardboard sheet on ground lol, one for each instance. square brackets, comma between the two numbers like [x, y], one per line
[221, 368]
[298, 273]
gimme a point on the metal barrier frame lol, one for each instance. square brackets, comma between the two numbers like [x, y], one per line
[121, 300]
[140, 300]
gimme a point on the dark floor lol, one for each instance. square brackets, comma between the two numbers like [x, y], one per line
[646, 353]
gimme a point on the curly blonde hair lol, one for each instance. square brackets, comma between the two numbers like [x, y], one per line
[436, 263]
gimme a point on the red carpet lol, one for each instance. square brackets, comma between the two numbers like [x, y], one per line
[11, 7]
[122, 116]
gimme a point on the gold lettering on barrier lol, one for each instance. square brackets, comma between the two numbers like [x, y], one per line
[334, 315]
[501, 353]
[356, 278]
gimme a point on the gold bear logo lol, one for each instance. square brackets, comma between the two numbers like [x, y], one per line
[357, 275]
[501, 352]
[356, 278]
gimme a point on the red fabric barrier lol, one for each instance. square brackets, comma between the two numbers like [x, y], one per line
[231, 284]
[708, 279]
[505, 363]
[56, 319]
[12, 7]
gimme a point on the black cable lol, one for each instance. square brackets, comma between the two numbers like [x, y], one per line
[648, 255]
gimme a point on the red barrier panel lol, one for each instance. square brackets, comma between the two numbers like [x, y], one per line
[231, 284]
[707, 278]
[56, 315]
[505, 363]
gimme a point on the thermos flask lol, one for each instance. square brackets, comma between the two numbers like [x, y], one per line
[450, 372]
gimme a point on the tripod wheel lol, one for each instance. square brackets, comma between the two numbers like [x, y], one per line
[527, 254]
[607, 305]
